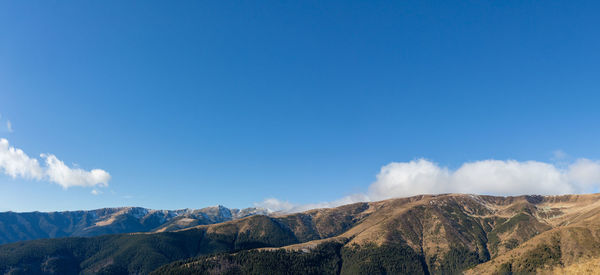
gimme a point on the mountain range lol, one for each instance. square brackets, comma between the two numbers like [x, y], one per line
[427, 234]
[40, 225]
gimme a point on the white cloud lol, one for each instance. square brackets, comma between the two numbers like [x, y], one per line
[15, 163]
[585, 175]
[96, 192]
[409, 178]
[66, 177]
[275, 205]
[492, 177]
[9, 126]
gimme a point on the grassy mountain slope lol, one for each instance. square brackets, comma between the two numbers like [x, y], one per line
[570, 245]
[446, 234]
[421, 235]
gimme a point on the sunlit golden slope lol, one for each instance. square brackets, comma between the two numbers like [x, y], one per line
[481, 227]
[573, 244]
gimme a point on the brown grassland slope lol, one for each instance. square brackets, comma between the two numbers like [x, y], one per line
[456, 232]
[427, 234]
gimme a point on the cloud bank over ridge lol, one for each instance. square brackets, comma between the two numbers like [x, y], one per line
[492, 177]
[17, 164]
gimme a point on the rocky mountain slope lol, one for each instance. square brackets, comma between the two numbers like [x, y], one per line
[39, 225]
[441, 234]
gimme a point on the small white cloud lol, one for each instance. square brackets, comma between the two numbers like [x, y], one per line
[9, 126]
[66, 176]
[275, 205]
[15, 163]
[96, 192]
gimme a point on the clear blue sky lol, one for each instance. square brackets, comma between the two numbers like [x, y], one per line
[195, 103]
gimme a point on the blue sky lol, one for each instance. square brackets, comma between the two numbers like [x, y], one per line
[192, 103]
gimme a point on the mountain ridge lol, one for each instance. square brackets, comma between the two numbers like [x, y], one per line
[425, 234]
[21, 226]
